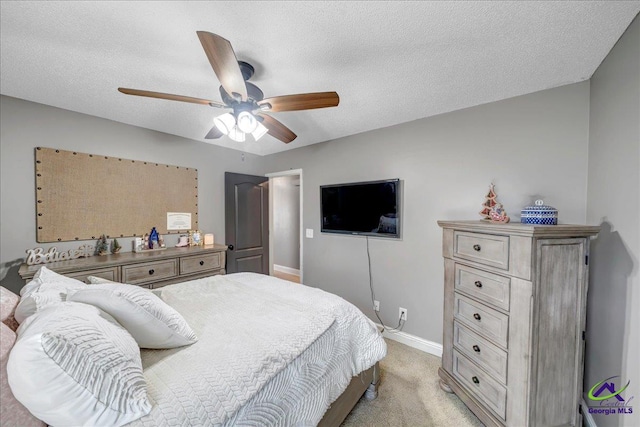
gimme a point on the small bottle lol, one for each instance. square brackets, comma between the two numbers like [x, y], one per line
[153, 239]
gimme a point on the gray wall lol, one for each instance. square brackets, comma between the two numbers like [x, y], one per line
[613, 318]
[25, 125]
[533, 145]
[286, 221]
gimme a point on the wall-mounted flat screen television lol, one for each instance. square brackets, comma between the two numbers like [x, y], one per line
[363, 208]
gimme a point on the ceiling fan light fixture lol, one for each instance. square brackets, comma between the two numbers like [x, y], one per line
[225, 123]
[247, 123]
[236, 134]
[260, 131]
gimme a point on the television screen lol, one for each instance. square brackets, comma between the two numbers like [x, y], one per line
[367, 208]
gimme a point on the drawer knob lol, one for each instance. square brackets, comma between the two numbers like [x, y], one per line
[476, 349]
[201, 262]
[476, 248]
[478, 283]
[475, 380]
[476, 316]
[151, 271]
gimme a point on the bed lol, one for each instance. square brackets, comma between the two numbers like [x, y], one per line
[269, 352]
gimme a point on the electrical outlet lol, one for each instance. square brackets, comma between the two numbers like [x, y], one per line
[376, 305]
[402, 314]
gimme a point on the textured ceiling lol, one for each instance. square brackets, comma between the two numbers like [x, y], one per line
[390, 62]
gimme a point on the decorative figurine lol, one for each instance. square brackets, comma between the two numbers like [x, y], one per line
[492, 209]
[115, 247]
[161, 241]
[489, 203]
[102, 247]
[498, 214]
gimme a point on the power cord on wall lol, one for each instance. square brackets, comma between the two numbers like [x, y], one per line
[373, 298]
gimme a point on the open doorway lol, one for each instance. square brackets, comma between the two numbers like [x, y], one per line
[285, 225]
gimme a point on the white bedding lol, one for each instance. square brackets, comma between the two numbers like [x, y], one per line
[270, 352]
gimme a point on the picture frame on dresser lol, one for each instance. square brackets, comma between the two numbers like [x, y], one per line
[514, 316]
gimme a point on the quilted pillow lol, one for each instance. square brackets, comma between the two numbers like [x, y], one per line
[8, 303]
[46, 288]
[12, 412]
[73, 365]
[151, 321]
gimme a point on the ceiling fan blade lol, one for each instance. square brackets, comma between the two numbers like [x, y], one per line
[171, 97]
[224, 62]
[214, 133]
[302, 101]
[277, 129]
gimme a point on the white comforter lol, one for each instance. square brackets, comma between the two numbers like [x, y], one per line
[270, 352]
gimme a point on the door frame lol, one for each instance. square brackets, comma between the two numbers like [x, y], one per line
[271, 226]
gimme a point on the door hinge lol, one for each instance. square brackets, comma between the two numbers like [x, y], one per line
[580, 409]
[586, 259]
[584, 335]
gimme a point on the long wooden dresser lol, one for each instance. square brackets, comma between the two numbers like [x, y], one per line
[514, 317]
[151, 269]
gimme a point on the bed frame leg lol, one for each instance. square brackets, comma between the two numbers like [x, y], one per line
[372, 391]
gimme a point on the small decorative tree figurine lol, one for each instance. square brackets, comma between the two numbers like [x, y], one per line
[492, 209]
[103, 246]
[115, 247]
[489, 203]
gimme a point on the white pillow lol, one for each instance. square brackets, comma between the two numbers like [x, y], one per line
[73, 365]
[46, 288]
[151, 321]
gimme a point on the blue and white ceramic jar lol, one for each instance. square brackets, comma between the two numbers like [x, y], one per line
[539, 214]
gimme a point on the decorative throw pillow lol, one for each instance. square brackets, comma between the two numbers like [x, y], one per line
[46, 288]
[12, 412]
[8, 303]
[74, 365]
[151, 321]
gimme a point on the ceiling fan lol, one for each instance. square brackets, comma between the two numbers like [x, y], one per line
[245, 99]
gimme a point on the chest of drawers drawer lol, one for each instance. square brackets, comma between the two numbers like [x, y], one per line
[149, 271]
[110, 273]
[488, 356]
[487, 249]
[487, 287]
[194, 264]
[486, 321]
[486, 389]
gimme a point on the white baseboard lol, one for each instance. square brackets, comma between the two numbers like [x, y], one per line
[587, 418]
[415, 342]
[288, 270]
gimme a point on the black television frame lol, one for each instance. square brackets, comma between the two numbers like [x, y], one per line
[397, 235]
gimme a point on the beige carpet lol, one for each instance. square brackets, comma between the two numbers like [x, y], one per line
[409, 394]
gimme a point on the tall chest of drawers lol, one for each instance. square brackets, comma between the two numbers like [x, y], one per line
[514, 315]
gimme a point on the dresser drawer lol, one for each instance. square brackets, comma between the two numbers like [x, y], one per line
[490, 288]
[486, 249]
[486, 321]
[194, 264]
[488, 356]
[149, 271]
[104, 273]
[485, 389]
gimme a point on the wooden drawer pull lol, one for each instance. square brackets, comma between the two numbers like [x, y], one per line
[478, 283]
[476, 316]
[201, 262]
[476, 349]
[476, 248]
[475, 380]
[151, 271]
